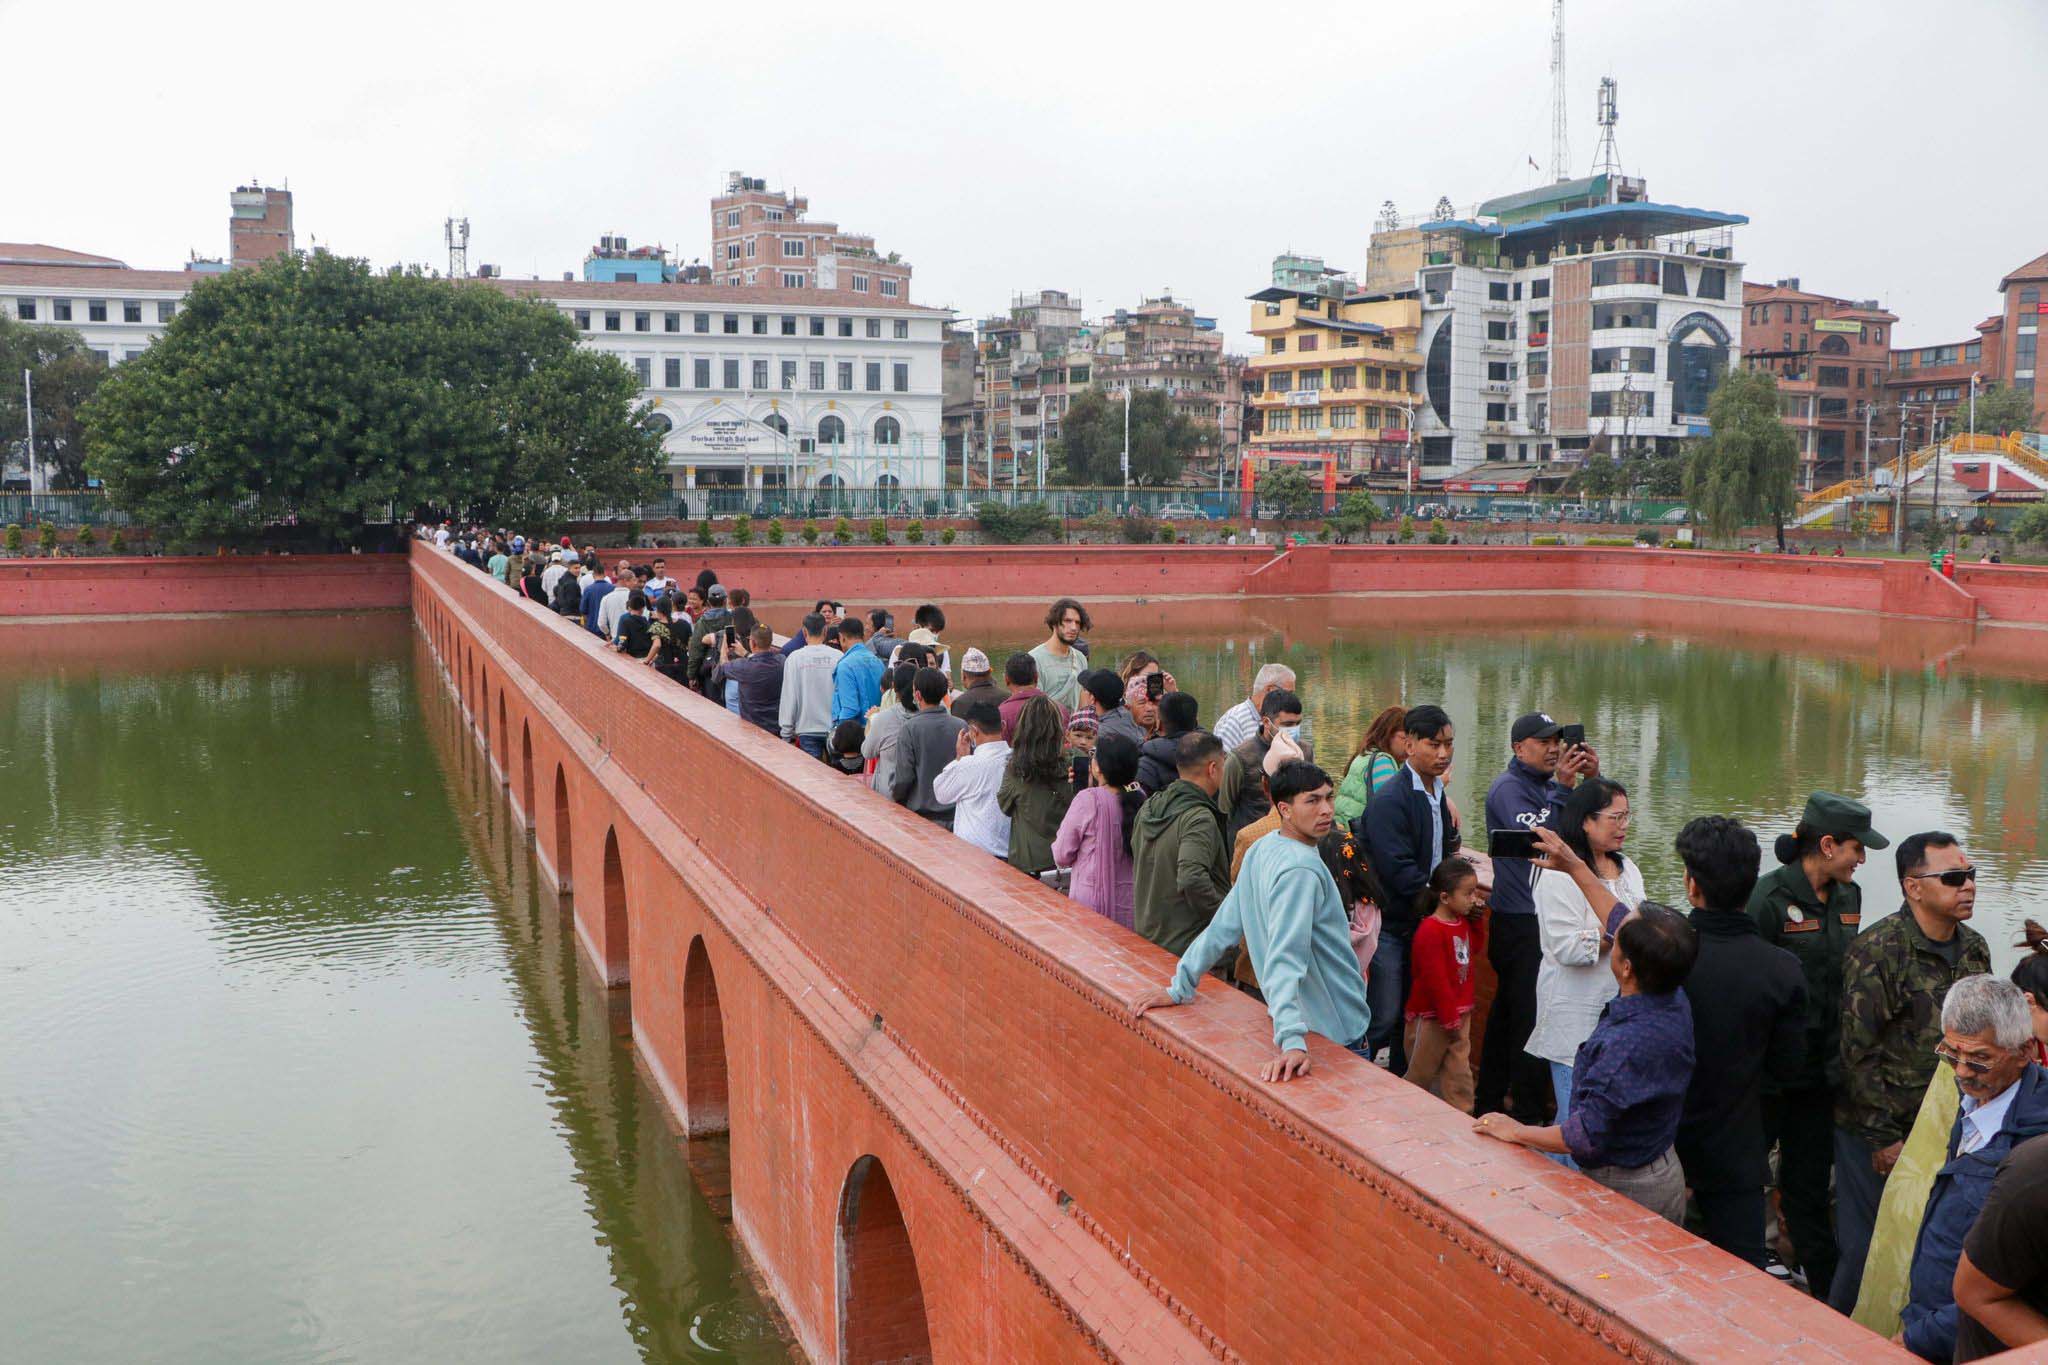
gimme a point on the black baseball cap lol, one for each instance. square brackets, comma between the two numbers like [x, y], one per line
[1535, 725]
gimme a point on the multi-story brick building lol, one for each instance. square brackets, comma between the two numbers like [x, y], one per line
[760, 239]
[1162, 344]
[756, 388]
[1023, 368]
[1336, 372]
[1577, 316]
[1830, 357]
[1929, 386]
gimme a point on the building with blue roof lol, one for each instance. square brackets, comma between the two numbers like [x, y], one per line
[1574, 318]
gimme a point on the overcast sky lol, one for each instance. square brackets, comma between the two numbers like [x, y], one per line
[1881, 148]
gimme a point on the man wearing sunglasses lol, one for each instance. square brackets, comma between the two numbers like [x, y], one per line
[1894, 978]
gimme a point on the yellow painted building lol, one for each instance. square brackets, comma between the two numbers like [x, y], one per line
[1334, 371]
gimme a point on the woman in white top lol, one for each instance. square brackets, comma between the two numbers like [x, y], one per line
[1575, 983]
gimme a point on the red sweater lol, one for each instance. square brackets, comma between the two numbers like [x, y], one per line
[1441, 982]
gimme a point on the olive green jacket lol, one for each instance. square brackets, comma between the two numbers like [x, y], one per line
[1035, 812]
[1893, 981]
[1818, 934]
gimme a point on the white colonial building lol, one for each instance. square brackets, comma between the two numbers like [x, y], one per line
[757, 389]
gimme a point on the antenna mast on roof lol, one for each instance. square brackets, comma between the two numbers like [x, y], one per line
[1560, 146]
[457, 233]
[1607, 161]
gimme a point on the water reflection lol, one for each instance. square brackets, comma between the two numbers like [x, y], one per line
[287, 1079]
[1698, 708]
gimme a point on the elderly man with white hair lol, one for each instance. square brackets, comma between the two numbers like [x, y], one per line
[1986, 1035]
[1241, 721]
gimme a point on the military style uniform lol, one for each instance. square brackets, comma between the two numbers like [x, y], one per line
[1799, 1114]
[1893, 980]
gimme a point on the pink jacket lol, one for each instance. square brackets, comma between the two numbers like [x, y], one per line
[1091, 841]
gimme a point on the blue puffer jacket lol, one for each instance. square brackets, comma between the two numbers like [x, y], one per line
[1952, 1207]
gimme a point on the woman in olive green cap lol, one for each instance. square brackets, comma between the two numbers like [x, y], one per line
[1811, 907]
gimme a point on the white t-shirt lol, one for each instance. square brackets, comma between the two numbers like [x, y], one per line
[1575, 982]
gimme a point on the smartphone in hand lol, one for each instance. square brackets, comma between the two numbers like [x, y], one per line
[1512, 843]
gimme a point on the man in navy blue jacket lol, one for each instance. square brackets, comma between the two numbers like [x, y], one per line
[1407, 829]
[1529, 794]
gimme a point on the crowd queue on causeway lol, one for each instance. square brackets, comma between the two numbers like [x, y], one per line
[1743, 1055]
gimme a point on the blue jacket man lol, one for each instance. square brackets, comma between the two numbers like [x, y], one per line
[1407, 829]
[857, 680]
[1960, 1187]
[594, 594]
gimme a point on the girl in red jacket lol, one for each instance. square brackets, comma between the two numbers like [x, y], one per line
[1446, 946]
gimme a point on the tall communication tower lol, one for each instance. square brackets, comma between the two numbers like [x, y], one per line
[458, 248]
[1560, 144]
[1607, 161]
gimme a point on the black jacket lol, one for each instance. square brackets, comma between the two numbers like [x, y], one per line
[1395, 832]
[568, 598]
[1158, 765]
[1748, 1021]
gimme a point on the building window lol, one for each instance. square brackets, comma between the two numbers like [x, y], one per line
[730, 324]
[96, 310]
[1625, 314]
[792, 281]
[792, 246]
[760, 321]
[750, 248]
[732, 218]
[1833, 376]
[846, 327]
[899, 377]
[700, 373]
[25, 309]
[611, 322]
[643, 370]
[131, 310]
[1497, 290]
[60, 309]
[1343, 417]
[902, 329]
[890, 289]
[1437, 380]
[846, 376]
[1276, 345]
[874, 376]
[888, 431]
[1344, 377]
[788, 325]
[788, 374]
[1498, 412]
[1974, 352]
[730, 373]
[1308, 380]
[1713, 282]
[1498, 331]
[672, 372]
[817, 327]
[1279, 381]
[760, 372]
[1624, 360]
[732, 251]
[1308, 343]
[582, 319]
[860, 284]
[1627, 270]
[1674, 278]
[1280, 419]
[875, 327]
[1348, 341]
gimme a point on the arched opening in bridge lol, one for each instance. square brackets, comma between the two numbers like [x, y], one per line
[617, 961]
[704, 1076]
[483, 713]
[526, 773]
[504, 733]
[881, 1302]
[563, 844]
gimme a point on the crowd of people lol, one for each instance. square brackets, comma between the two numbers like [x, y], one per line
[1740, 1053]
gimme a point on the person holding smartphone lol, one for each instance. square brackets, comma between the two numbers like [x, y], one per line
[1543, 768]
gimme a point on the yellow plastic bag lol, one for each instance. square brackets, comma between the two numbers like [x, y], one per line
[1887, 1272]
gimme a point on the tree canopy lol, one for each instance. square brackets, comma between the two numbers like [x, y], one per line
[1288, 490]
[63, 375]
[315, 390]
[1091, 441]
[2000, 409]
[1747, 470]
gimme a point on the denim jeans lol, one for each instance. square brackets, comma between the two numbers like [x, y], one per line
[1561, 1082]
[814, 745]
[1386, 995]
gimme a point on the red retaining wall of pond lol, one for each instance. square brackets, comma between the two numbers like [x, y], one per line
[140, 586]
[949, 1137]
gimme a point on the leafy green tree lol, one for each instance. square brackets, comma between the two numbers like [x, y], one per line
[1287, 489]
[913, 531]
[948, 536]
[704, 533]
[2000, 409]
[810, 533]
[1007, 525]
[1407, 532]
[63, 375]
[743, 529]
[878, 531]
[1747, 471]
[1356, 512]
[46, 537]
[775, 531]
[2031, 526]
[1439, 534]
[1091, 441]
[13, 539]
[1598, 477]
[314, 389]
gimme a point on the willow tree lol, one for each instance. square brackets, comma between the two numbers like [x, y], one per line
[318, 392]
[1747, 471]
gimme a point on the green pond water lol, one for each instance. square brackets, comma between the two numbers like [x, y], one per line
[301, 1064]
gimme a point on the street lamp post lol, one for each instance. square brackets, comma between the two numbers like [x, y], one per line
[28, 395]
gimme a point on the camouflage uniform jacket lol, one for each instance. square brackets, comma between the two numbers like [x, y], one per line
[1893, 981]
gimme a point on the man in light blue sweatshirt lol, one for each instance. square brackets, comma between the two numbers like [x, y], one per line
[1286, 910]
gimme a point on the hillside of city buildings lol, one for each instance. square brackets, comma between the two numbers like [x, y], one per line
[1491, 349]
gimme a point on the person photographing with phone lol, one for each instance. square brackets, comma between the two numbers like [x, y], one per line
[1547, 761]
